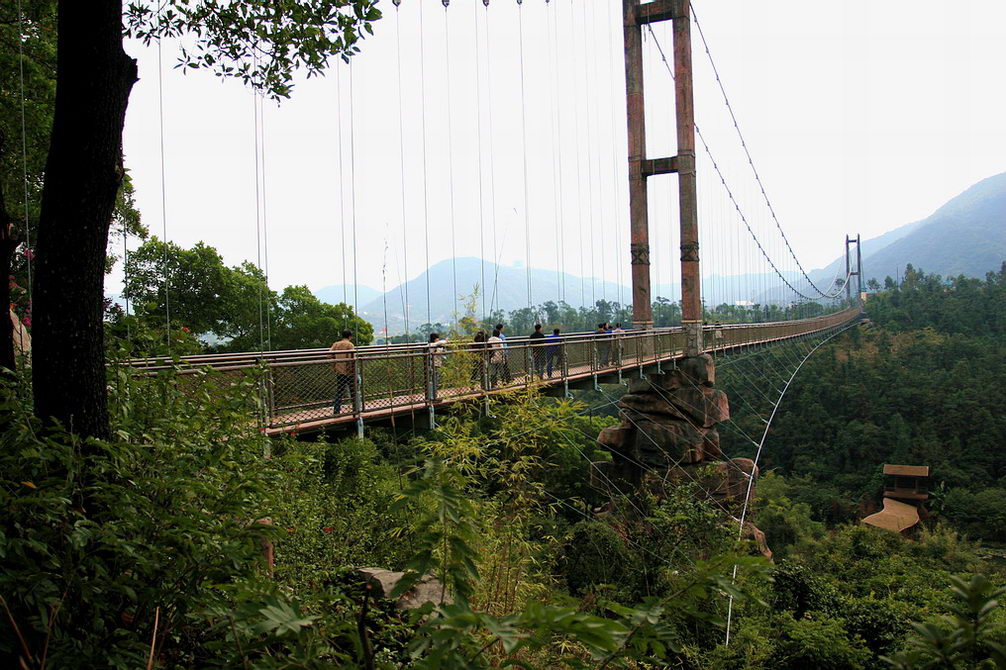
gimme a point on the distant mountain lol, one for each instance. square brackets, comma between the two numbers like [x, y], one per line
[966, 236]
[337, 293]
[505, 288]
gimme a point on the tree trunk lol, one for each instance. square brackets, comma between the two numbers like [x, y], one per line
[83, 171]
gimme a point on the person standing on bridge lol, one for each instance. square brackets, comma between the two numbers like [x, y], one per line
[602, 345]
[535, 341]
[553, 352]
[345, 369]
[497, 359]
[435, 361]
[505, 370]
[618, 333]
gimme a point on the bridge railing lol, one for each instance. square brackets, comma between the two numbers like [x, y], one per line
[301, 387]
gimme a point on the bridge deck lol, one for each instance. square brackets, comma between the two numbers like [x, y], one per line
[298, 387]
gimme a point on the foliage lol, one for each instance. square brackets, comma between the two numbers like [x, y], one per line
[915, 391]
[301, 321]
[195, 285]
[132, 336]
[593, 555]
[956, 305]
[232, 306]
[27, 100]
[969, 638]
[444, 540]
[814, 643]
[96, 549]
[340, 513]
[285, 36]
[784, 522]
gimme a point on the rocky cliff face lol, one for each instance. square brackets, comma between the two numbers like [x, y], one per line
[668, 435]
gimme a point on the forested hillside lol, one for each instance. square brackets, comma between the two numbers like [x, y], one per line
[966, 236]
[918, 385]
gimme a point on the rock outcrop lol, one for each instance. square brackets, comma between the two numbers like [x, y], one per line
[668, 420]
[668, 435]
[427, 589]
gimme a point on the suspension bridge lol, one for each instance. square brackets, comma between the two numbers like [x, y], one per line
[620, 206]
[392, 380]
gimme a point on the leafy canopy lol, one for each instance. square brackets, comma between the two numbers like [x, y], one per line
[232, 304]
[260, 43]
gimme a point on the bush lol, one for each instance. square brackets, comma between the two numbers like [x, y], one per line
[103, 539]
[593, 554]
[821, 643]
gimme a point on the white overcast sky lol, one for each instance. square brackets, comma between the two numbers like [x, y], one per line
[861, 117]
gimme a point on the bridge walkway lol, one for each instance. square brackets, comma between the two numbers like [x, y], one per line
[298, 387]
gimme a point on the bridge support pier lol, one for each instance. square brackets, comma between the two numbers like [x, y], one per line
[693, 337]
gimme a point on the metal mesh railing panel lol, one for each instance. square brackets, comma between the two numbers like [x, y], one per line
[295, 387]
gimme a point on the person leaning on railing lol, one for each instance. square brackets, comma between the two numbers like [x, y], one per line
[344, 366]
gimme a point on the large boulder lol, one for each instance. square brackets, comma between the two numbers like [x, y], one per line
[427, 589]
[756, 535]
[616, 438]
[698, 370]
[652, 403]
[703, 405]
[666, 444]
[728, 481]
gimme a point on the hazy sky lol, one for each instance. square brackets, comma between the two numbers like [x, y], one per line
[860, 116]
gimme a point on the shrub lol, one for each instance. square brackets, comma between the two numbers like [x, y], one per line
[593, 554]
[110, 548]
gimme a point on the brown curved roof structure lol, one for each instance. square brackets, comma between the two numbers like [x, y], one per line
[896, 516]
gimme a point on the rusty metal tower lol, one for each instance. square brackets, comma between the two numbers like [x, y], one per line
[851, 271]
[635, 16]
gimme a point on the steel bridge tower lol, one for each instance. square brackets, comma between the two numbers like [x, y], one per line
[635, 16]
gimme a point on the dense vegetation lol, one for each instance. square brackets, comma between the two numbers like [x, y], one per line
[919, 385]
[146, 550]
[210, 306]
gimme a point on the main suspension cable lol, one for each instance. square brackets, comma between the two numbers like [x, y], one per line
[747, 152]
[730, 194]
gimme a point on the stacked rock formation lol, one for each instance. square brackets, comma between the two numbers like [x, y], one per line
[668, 433]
